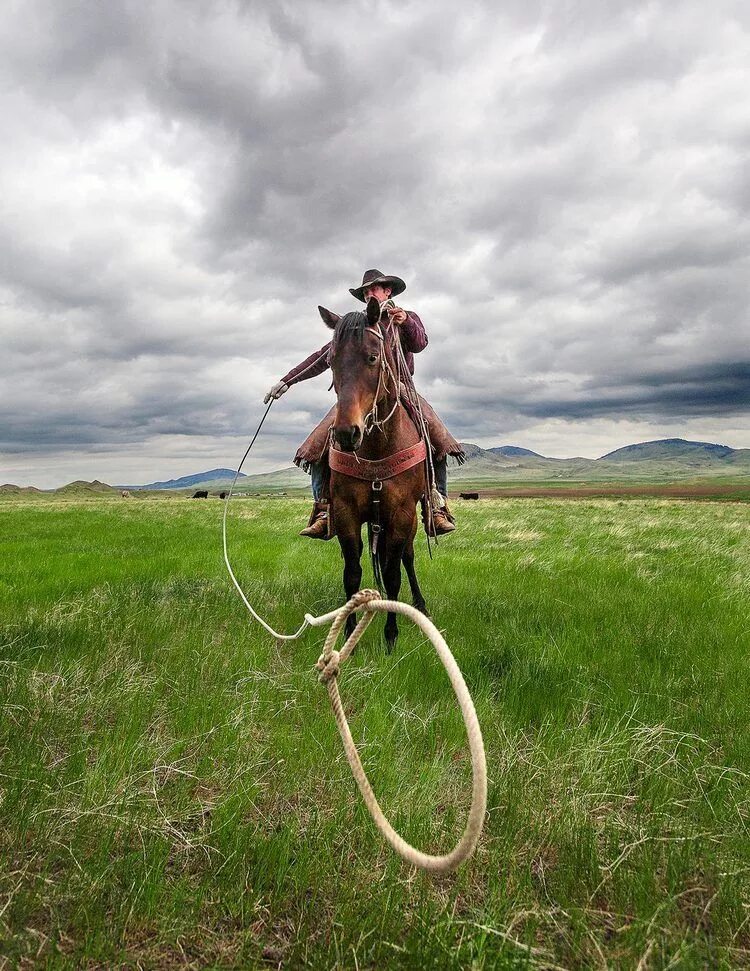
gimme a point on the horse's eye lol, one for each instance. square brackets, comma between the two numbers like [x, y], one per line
[372, 359]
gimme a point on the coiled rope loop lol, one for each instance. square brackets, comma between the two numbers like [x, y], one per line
[329, 665]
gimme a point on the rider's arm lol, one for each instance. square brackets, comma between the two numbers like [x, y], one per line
[314, 364]
[413, 336]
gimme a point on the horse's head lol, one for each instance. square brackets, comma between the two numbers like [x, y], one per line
[359, 358]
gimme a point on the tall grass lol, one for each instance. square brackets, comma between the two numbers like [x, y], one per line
[174, 792]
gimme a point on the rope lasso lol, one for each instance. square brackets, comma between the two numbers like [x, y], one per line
[329, 665]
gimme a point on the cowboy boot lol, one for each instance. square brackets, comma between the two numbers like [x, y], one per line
[317, 527]
[441, 522]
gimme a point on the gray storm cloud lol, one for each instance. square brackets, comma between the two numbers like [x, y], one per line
[563, 187]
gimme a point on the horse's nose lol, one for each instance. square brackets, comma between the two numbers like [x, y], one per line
[349, 438]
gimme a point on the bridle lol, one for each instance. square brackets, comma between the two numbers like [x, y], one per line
[372, 420]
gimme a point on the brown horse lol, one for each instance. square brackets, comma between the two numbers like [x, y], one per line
[372, 423]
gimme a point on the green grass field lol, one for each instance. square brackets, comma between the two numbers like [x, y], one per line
[174, 791]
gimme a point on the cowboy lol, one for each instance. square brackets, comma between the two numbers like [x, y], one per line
[313, 453]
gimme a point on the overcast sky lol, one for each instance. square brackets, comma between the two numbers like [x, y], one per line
[564, 187]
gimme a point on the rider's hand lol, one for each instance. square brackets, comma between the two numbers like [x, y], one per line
[276, 391]
[397, 315]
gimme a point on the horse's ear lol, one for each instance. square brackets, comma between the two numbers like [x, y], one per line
[373, 312]
[330, 318]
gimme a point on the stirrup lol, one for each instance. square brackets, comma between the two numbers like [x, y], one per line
[440, 524]
[318, 524]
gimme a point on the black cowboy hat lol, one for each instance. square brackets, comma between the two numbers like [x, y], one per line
[396, 284]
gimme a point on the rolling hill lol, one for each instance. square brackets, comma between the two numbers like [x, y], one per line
[669, 449]
[8, 489]
[514, 451]
[82, 488]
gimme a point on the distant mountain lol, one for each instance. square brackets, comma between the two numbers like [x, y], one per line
[188, 481]
[483, 458]
[514, 451]
[668, 448]
[473, 451]
[219, 479]
[289, 478]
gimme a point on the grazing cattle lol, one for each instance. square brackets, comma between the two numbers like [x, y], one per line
[125, 494]
[201, 494]
[469, 495]
[223, 495]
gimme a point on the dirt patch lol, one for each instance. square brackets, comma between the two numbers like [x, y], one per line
[666, 491]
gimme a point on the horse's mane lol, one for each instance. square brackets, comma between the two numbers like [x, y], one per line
[352, 325]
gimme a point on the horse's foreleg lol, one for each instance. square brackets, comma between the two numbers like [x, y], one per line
[416, 594]
[392, 583]
[351, 547]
